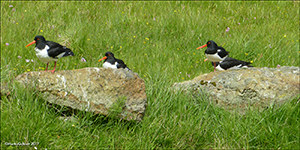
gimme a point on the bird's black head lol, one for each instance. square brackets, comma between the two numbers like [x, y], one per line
[39, 38]
[211, 43]
[109, 54]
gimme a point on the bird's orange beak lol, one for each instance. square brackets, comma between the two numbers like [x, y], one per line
[102, 58]
[31, 43]
[205, 45]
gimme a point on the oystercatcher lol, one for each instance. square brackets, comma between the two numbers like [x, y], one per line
[214, 53]
[48, 51]
[231, 63]
[111, 62]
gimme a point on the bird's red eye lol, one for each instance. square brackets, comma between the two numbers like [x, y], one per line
[108, 55]
[37, 39]
[208, 42]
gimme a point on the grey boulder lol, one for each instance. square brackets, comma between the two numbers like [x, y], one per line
[259, 87]
[98, 90]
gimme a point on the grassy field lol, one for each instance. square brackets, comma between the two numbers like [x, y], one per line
[158, 40]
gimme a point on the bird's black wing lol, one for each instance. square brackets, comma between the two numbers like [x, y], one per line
[222, 52]
[121, 64]
[229, 62]
[53, 44]
[57, 49]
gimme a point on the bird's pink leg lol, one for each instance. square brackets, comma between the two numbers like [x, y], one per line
[53, 68]
[214, 66]
[206, 59]
[47, 67]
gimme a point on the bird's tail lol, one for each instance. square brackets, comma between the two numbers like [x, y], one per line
[248, 64]
[68, 53]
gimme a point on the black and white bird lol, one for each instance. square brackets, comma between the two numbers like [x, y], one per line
[214, 53]
[231, 63]
[111, 62]
[48, 51]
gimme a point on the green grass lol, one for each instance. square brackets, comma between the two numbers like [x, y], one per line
[162, 51]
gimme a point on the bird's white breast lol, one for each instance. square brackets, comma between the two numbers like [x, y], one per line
[43, 54]
[219, 68]
[109, 65]
[214, 57]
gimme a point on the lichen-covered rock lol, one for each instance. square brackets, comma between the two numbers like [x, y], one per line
[92, 89]
[239, 88]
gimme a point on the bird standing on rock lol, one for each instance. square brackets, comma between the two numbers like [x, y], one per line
[214, 53]
[48, 51]
[111, 62]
